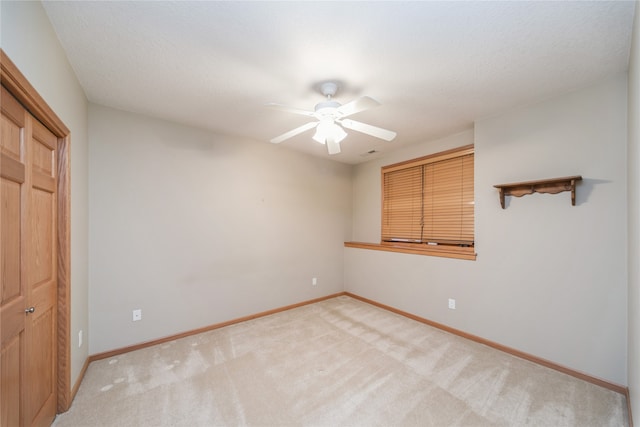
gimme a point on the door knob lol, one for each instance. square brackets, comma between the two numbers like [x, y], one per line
[30, 310]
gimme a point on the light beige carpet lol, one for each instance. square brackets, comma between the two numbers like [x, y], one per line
[340, 362]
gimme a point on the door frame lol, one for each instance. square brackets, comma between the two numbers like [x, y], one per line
[17, 84]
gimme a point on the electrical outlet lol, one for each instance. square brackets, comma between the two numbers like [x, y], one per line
[452, 304]
[80, 338]
[137, 315]
[314, 281]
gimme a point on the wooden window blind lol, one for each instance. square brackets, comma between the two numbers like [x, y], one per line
[430, 199]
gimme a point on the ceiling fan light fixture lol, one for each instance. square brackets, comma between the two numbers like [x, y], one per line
[331, 120]
[328, 129]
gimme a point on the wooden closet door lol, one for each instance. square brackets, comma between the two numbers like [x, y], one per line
[13, 294]
[28, 272]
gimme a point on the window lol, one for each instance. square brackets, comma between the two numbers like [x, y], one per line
[429, 201]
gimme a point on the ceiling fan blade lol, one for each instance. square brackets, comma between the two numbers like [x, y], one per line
[385, 134]
[333, 146]
[290, 109]
[294, 132]
[357, 105]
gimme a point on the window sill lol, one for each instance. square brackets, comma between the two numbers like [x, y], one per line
[440, 251]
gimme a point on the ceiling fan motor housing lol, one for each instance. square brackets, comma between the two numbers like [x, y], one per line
[327, 108]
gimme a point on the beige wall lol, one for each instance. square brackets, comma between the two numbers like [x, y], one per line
[29, 40]
[195, 228]
[634, 218]
[550, 278]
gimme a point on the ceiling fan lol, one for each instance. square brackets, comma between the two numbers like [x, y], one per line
[331, 118]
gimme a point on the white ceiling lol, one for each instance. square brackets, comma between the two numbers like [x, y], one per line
[434, 66]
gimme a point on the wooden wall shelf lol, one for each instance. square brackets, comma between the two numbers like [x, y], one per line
[552, 186]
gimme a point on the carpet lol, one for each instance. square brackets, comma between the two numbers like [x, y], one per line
[339, 362]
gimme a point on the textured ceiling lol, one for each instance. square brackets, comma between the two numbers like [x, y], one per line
[434, 66]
